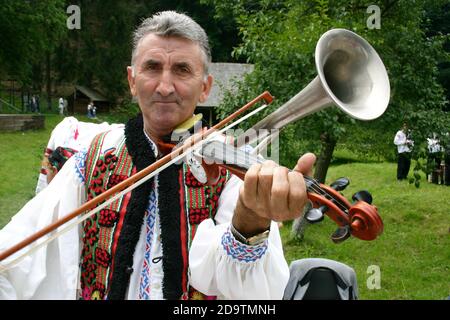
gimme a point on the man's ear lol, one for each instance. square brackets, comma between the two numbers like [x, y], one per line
[131, 82]
[207, 85]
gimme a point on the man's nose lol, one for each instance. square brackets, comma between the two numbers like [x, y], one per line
[165, 86]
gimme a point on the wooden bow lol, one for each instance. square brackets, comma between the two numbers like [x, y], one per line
[137, 179]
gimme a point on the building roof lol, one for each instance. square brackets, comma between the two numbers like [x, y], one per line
[224, 74]
[91, 93]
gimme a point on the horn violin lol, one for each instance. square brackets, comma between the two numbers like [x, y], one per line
[351, 76]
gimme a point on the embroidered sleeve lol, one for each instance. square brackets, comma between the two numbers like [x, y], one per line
[80, 164]
[221, 266]
[240, 251]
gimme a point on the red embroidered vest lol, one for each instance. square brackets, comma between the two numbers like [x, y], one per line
[101, 232]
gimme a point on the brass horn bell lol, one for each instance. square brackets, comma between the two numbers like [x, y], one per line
[351, 75]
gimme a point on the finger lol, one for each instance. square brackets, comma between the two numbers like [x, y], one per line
[305, 164]
[265, 178]
[279, 202]
[297, 193]
[251, 186]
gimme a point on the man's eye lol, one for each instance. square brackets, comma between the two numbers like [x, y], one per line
[152, 67]
[183, 70]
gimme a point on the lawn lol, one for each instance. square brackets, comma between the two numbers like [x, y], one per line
[20, 160]
[20, 157]
[413, 253]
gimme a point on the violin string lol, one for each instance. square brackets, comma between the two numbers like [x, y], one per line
[325, 193]
[245, 159]
[27, 251]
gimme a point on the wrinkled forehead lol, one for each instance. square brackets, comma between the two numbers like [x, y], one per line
[153, 45]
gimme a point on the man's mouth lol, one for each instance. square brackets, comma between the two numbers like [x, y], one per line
[165, 102]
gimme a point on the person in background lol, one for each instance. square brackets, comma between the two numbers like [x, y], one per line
[434, 158]
[404, 147]
[94, 111]
[38, 105]
[61, 106]
[33, 103]
[89, 109]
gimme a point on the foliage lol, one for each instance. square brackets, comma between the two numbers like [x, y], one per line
[125, 111]
[29, 29]
[279, 38]
[97, 55]
[40, 49]
[436, 23]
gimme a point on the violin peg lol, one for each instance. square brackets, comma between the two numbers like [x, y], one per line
[362, 195]
[315, 215]
[341, 234]
[340, 184]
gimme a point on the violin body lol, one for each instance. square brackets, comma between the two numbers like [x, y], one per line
[360, 219]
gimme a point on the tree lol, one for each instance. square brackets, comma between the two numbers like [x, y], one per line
[97, 55]
[436, 23]
[29, 30]
[280, 37]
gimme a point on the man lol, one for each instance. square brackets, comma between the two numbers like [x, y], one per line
[404, 145]
[169, 238]
[89, 109]
[61, 106]
[434, 157]
[33, 103]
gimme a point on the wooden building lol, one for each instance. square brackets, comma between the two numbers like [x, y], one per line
[224, 74]
[80, 98]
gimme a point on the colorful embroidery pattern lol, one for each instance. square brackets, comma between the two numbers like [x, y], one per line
[80, 164]
[201, 203]
[202, 200]
[60, 155]
[102, 171]
[240, 251]
[150, 217]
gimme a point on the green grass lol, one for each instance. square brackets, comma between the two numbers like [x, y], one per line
[20, 164]
[20, 158]
[413, 253]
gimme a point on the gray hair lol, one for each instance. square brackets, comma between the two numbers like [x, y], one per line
[171, 23]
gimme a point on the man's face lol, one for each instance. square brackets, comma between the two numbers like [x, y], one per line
[168, 82]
